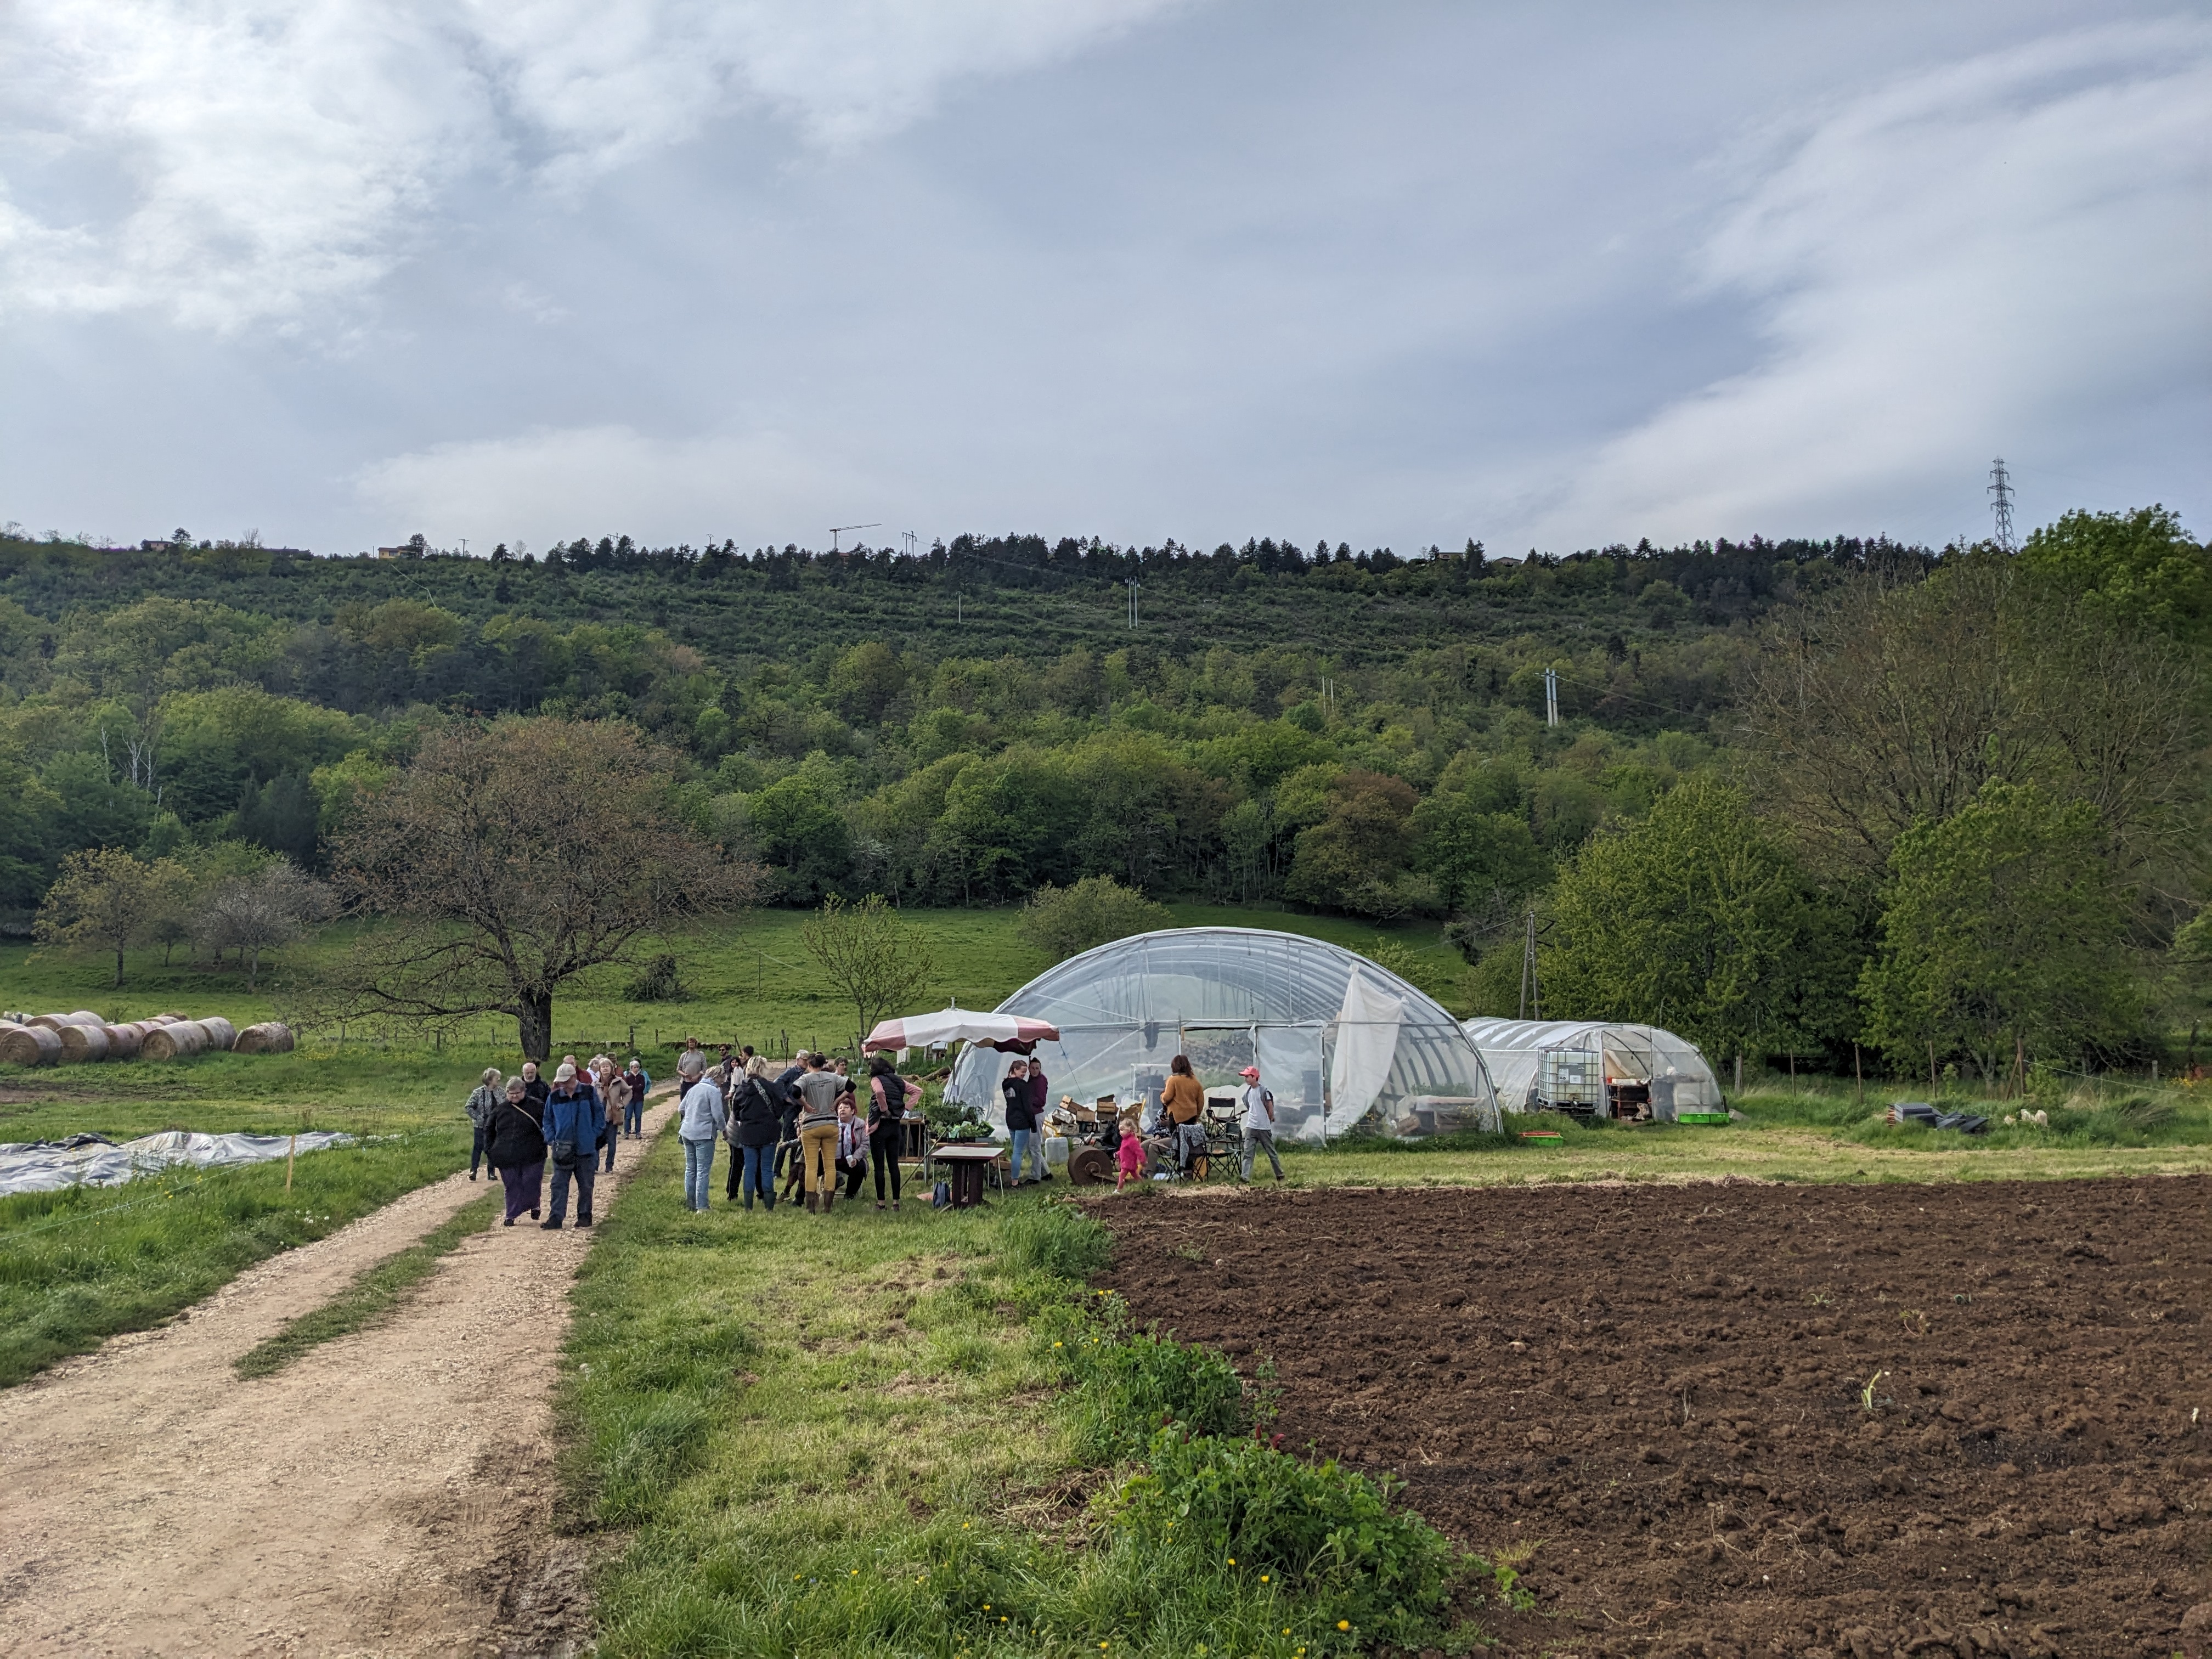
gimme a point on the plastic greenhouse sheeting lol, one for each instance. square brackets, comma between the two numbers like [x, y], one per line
[42, 1166]
[1565, 1065]
[1339, 1040]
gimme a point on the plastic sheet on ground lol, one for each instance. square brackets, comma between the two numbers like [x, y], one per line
[43, 1166]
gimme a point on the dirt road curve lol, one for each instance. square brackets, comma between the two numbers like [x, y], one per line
[390, 1494]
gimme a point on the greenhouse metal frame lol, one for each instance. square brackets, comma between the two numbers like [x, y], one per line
[1340, 1041]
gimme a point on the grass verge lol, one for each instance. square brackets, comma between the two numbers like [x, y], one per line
[920, 1434]
[375, 1292]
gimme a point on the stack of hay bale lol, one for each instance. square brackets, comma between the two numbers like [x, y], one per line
[58, 1039]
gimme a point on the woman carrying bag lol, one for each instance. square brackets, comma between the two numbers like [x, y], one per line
[515, 1146]
[752, 1125]
[889, 1097]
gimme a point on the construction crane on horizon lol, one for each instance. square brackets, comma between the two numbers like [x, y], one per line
[837, 530]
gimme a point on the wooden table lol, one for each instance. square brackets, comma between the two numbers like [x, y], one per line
[965, 1161]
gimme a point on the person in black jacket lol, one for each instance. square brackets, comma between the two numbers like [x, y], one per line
[515, 1149]
[752, 1127]
[534, 1087]
[1022, 1123]
[886, 1121]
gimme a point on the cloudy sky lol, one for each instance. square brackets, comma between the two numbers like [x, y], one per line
[1554, 276]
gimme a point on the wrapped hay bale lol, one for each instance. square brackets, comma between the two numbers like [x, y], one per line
[29, 1045]
[122, 1041]
[55, 1022]
[221, 1034]
[272, 1036]
[174, 1041]
[82, 1043]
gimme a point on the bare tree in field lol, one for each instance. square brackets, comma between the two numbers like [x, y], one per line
[265, 910]
[870, 954]
[1879, 707]
[507, 861]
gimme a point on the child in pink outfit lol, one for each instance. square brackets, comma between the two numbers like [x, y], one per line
[1129, 1155]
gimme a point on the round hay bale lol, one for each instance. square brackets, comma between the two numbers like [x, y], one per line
[165, 1019]
[83, 1043]
[29, 1045]
[174, 1041]
[220, 1033]
[55, 1022]
[124, 1041]
[270, 1037]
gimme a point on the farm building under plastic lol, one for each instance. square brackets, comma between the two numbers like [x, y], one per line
[1339, 1040]
[1594, 1068]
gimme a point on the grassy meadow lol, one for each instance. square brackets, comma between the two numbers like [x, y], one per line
[79, 1266]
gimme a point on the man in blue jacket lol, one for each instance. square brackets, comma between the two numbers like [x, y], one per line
[576, 1121]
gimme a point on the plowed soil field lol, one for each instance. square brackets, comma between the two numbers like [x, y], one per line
[1744, 1419]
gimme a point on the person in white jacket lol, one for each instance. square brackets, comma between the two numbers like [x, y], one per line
[699, 1127]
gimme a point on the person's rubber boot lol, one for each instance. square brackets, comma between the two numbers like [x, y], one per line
[828, 1200]
[810, 1204]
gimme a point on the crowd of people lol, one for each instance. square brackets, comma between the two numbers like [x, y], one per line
[810, 1127]
[524, 1124]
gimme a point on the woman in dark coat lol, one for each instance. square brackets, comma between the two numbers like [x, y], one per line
[515, 1146]
[755, 1128]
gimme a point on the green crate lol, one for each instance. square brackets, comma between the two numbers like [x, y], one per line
[1701, 1117]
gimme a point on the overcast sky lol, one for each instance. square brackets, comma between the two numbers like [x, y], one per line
[1552, 275]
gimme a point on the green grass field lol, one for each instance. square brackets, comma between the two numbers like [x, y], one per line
[750, 980]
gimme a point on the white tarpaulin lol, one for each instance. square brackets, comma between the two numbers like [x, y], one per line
[1366, 1043]
[42, 1166]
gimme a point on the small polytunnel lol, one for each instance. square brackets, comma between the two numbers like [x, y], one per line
[1340, 1042]
[1594, 1068]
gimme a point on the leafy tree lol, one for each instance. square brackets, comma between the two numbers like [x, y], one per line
[800, 830]
[1066, 922]
[2001, 928]
[2137, 567]
[1356, 858]
[105, 900]
[871, 954]
[1699, 920]
[509, 858]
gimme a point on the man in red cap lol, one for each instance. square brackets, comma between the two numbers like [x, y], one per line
[1259, 1122]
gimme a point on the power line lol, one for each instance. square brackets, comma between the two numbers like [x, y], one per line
[2000, 489]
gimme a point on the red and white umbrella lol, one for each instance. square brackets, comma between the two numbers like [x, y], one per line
[950, 1026]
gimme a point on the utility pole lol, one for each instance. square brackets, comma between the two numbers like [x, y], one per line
[911, 541]
[1532, 998]
[2000, 492]
[1551, 697]
[1133, 601]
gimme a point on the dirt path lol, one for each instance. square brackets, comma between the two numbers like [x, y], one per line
[390, 1494]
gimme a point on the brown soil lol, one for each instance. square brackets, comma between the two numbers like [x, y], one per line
[392, 1493]
[1658, 1391]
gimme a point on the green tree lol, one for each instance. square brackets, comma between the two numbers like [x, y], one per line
[2137, 567]
[1698, 919]
[2002, 928]
[1066, 922]
[871, 954]
[1474, 855]
[105, 900]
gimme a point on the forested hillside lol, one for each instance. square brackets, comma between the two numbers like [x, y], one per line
[1356, 733]
[957, 726]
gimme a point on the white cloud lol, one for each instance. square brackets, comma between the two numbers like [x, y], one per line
[552, 484]
[265, 159]
[2003, 255]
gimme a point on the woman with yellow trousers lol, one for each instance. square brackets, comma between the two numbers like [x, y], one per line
[818, 1089]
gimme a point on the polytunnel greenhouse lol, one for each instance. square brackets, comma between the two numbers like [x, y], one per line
[1593, 1068]
[1340, 1042]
